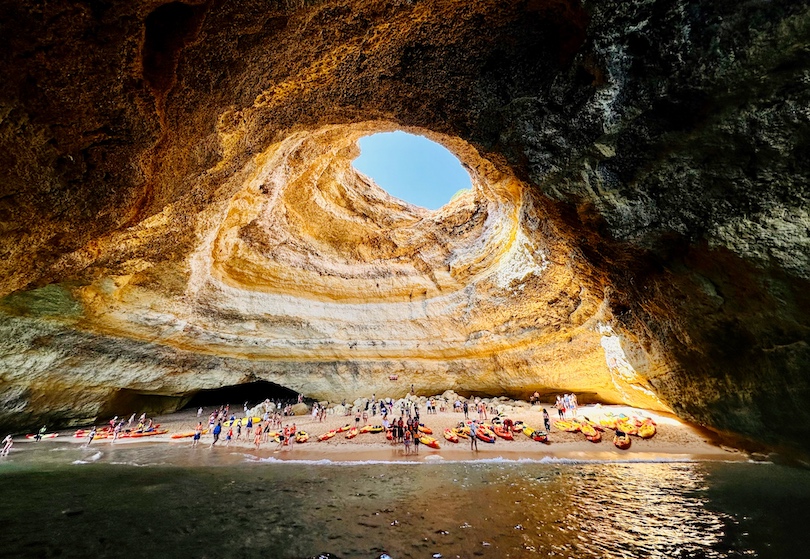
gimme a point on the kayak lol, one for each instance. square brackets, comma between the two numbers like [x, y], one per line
[462, 431]
[425, 430]
[535, 434]
[587, 430]
[328, 435]
[344, 428]
[301, 437]
[503, 433]
[517, 427]
[484, 434]
[570, 426]
[144, 434]
[352, 433]
[595, 437]
[371, 429]
[622, 443]
[608, 422]
[450, 435]
[429, 441]
[646, 431]
[628, 428]
[45, 436]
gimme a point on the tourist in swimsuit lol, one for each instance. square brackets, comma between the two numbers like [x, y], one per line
[407, 441]
[546, 419]
[197, 434]
[7, 444]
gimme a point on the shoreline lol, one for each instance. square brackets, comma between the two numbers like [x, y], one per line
[674, 441]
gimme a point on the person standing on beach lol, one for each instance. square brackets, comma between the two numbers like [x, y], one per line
[197, 434]
[466, 408]
[406, 439]
[546, 420]
[217, 431]
[473, 438]
[8, 442]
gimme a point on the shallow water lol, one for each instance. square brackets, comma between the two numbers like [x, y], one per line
[164, 501]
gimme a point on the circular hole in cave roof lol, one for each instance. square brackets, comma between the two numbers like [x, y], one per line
[412, 168]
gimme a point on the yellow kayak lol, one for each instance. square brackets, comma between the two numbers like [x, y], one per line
[646, 431]
[570, 426]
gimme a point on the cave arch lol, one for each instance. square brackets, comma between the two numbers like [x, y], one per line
[671, 177]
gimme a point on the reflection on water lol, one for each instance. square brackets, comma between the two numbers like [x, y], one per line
[75, 503]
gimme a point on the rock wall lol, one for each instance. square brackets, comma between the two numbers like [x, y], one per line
[178, 210]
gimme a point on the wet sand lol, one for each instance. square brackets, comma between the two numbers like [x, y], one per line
[674, 440]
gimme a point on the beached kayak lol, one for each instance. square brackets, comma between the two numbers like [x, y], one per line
[569, 426]
[135, 435]
[429, 441]
[371, 429]
[503, 433]
[484, 434]
[353, 432]
[328, 435]
[628, 428]
[517, 427]
[425, 430]
[597, 437]
[622, 442]
[301, 437]
[450, 435]
[343, 429]
[608, 422]
[646, 431]
[535, 434]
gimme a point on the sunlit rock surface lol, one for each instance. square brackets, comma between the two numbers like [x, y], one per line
[178, 210]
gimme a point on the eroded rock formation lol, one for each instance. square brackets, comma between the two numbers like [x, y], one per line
[179, 212]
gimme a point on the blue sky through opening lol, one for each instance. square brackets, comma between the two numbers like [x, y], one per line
[412, 168]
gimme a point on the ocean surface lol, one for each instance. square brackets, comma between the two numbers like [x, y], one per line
[59, 500]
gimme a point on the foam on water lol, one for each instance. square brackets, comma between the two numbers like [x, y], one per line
[94, 458]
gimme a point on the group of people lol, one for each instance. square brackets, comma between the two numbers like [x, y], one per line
[404, 432]
[566, 403]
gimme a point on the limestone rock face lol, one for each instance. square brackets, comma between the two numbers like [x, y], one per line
[178, 210]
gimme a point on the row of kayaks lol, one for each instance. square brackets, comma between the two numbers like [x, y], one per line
[109, 433]
[623, 426]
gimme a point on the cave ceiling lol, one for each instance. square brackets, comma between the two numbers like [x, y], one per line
[179, 211]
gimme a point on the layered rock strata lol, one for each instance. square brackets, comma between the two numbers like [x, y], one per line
[178, 210]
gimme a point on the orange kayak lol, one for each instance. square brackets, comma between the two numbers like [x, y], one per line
[352, 433]
[328, 435]
[504, 433]
[425, 430]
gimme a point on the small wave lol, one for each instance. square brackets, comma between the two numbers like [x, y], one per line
[95, 458]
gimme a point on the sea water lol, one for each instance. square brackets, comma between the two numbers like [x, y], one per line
[133, 501]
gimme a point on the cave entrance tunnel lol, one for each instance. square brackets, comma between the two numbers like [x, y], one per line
[236, 395]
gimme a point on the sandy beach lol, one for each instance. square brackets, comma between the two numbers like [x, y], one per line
[674, 439]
